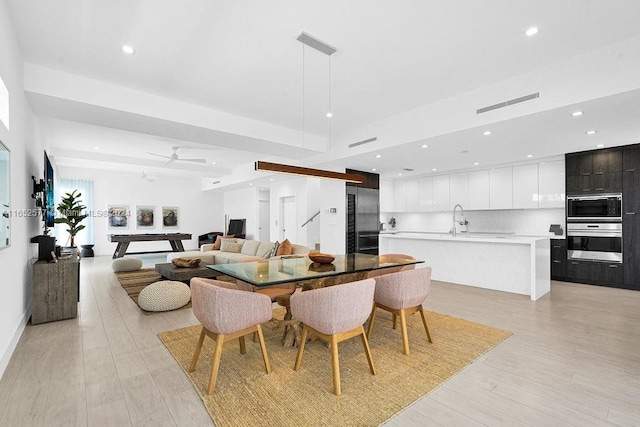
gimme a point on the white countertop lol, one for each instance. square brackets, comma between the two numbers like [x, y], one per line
[465, 237]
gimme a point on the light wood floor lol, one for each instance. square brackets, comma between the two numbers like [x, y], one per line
[573, 359]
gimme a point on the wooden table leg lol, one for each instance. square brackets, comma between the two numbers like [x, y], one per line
[177, 246]
[121, 249]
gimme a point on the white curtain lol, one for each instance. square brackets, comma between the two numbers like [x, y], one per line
[85, 187]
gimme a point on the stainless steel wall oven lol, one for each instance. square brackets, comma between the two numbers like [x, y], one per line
[595, 241]
[594, 208]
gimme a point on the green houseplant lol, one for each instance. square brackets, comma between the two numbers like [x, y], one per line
[71, 210]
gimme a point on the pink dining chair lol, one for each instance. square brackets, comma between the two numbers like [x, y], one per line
[401, 294]
[227, 313]
[334, 314]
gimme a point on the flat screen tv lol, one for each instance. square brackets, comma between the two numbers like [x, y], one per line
[50, 209]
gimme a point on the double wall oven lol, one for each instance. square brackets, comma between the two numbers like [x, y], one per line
[594, 228]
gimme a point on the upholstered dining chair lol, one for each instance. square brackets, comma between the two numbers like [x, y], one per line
[402, 293]
[227, 313]
[334, 314]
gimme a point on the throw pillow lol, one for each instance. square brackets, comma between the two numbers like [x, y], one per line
[284, 248]
[227, 246]
[273, 252]
[216, 245]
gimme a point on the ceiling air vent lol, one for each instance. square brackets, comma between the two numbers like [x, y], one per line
[408, 169]
[216, 182]
[509, 102]
[364, 141]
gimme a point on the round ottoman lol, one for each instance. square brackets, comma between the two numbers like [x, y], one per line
[126, 264]
[164, 296]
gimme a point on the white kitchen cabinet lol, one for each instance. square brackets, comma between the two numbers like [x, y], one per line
[459, 190]
[413, 195]
[400, 196]
[501, 188]
[441, 193]
[551, 184]
[478, 190]
[525, 187]
[386, 195]
[425, 190]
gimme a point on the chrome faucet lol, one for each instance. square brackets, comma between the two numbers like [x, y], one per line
[462, 222]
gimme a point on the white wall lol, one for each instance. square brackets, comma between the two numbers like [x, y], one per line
[243, 203]
[333, 225]
[26, 159]
[518, 221]
[199, 212]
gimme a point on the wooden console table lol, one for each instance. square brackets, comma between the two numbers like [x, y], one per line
[123, 240]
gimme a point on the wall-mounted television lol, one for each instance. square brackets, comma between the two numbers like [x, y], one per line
[49, 203]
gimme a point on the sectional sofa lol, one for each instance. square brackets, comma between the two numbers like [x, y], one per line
[249, 250]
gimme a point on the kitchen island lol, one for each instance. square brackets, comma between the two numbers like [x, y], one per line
[509, 263]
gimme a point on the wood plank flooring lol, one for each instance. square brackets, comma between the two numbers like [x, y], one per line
[574, 359]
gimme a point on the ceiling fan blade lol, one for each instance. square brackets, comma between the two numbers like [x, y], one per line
[194, 160]
[159, 155]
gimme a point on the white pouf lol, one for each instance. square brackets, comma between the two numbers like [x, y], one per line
[126, 264]
[164, 296]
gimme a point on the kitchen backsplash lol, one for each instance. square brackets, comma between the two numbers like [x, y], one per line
[517, 221]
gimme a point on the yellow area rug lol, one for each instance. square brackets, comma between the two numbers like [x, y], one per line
[246, 395]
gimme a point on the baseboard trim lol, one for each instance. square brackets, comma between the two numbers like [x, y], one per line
[6, 357]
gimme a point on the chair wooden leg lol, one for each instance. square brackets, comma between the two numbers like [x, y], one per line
[395, 320]
[403, 327]
[372, 318]
[263, 347]
[215, 366]
[424, 322]
[335, 364]
[243, 347]
[367, 351]
[255, 337]
[303, 341]
[196, 354]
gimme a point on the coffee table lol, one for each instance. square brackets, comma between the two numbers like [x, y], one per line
[184, 274]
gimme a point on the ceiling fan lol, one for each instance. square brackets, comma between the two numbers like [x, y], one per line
[174, 157]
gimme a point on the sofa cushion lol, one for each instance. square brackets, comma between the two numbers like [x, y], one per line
[231, 258]
[284, 248]
[232, 247]
[216, 245]
[250, 247]
[265, 249]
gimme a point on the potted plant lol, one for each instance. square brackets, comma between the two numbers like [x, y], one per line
[71, 210]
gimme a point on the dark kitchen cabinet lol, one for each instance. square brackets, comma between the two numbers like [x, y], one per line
[596, 273]
[631, 217]
[558, 259]
[594, 172]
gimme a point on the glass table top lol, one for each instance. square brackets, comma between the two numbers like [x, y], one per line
[301, 268]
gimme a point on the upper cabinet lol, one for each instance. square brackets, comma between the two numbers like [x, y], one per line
[425, 190]
[525, 187]
[594, 172]
[478, 190]
[501, 188]
[400, 196]
[459, 190]
[412, 195]
[441, 193]
[386, 196]
[551, 179]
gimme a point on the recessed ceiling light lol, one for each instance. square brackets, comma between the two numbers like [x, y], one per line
[591, 132]
[374, 169]
[96, 148]
[329, 114]
[270, 179]
[476, 163]
[599, 145]
[576, 113]
[378, 156]
[434, 169]
[400, 174]
[129, 50]
[213, 163]
[251, 183]
[531, 31]
[529, 156]
[486, 133]
[424, 146]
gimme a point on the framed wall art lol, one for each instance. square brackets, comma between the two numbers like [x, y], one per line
[169, 217]
[145, 216]
[118, 217]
